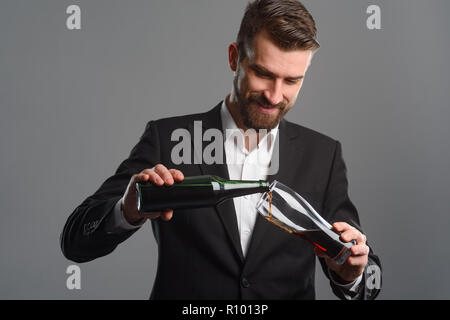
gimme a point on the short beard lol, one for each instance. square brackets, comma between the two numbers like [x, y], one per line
[251, 117]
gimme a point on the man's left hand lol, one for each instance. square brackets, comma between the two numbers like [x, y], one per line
[354, 266]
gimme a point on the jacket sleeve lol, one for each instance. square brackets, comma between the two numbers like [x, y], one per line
[84, 237]
[337, 207]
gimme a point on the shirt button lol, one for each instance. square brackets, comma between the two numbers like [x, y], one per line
[245, 283]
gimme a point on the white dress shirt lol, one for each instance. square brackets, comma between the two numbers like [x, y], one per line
[246, 165]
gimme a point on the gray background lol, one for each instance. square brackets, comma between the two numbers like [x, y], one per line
[74, 103]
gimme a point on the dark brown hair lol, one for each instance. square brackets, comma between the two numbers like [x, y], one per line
[288, 23]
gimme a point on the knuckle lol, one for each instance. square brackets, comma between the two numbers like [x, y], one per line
[347, 235]
[154, 175]
[168, 176]
[162, 172]
[357, 251]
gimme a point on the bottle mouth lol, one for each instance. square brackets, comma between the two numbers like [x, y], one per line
[273, 185]
[265, 195]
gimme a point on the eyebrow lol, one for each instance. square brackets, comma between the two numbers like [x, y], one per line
[260, 69]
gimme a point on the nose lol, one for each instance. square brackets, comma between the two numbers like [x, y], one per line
[274, 94]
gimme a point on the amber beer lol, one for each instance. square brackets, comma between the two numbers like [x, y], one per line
[194, 192]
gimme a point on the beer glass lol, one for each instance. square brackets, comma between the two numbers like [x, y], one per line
[289, 211]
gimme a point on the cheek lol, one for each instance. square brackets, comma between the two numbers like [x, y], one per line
[290, 95]
[256, 84]
[293, 93]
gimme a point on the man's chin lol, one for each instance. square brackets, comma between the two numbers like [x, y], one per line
[255, 118]
[266, 119]
[267, 123]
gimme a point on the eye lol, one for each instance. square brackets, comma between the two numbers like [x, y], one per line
[262, 75]
[292, 81]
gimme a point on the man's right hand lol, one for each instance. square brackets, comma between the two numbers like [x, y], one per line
[158, 175]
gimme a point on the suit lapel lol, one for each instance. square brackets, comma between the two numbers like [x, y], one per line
[225, 210]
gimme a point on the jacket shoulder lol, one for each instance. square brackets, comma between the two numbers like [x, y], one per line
[181, 118]
[182, 121]
[310, 135]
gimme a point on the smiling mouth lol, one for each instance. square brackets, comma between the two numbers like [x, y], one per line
[266, 110]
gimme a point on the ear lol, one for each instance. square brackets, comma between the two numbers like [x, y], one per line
[233, 56]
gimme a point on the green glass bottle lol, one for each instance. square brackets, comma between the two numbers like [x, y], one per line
[194, 192]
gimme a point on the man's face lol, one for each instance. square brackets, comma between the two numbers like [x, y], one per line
[267, 82]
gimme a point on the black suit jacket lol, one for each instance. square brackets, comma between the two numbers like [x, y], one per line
[200, 255]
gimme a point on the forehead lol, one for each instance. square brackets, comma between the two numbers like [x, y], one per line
[285, 63]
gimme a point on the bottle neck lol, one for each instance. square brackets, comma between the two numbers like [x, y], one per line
[240, 185]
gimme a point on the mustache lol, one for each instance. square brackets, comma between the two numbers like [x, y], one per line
[261, 100]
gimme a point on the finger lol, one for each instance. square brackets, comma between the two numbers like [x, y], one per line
[140, 177]
[342, 226]
[166, 215]
[153, 177]
[162, 171]
[151, 215]
[177, 174]
[359, 250]
[357, 261]
[352, 234]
